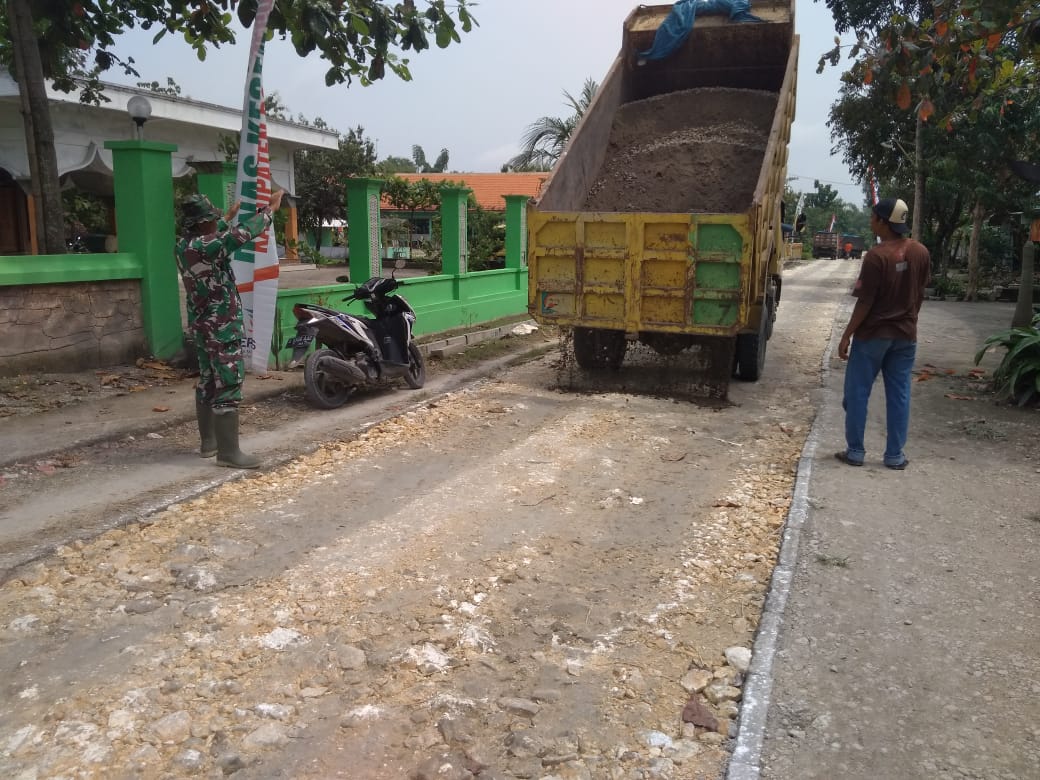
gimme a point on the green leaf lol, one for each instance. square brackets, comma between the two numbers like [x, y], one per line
[443, 36]
[359, 24]
[1024, 344]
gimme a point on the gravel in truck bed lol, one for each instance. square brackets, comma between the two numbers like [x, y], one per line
[699, 150]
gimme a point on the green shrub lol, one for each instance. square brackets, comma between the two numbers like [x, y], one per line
[948, 288]
[1017, 378]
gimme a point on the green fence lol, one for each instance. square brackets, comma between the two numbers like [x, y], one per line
[60, 269]
[441, 303]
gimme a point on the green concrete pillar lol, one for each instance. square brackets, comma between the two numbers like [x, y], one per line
[363, 228]
[516, 230]
[143, 174]
[217, 182]
[454, 247]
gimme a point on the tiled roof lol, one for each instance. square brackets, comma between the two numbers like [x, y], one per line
[488, 188]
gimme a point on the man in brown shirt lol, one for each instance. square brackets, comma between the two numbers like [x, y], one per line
[883, 333]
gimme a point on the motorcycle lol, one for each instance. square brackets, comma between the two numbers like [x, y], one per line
[355, 351]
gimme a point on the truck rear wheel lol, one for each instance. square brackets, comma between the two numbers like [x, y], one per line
[596, 348]
[770, 313]
[751, 352]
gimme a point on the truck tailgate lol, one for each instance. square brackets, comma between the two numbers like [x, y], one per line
[670, 273]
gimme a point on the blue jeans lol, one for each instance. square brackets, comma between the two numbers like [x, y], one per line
[894, 358]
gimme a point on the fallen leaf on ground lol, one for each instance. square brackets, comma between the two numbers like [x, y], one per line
[951, 372]
[956, 397]
[137, 388]
[923, 378]
[698, 714]
[46, 468]
[160, 408]
[142, 363]
[729, 502]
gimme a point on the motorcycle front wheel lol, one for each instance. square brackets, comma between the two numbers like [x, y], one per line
[321, 388]
[416, 375]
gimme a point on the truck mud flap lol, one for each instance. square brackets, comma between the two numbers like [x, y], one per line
[699, 373]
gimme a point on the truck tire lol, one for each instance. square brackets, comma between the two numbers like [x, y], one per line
[595, 348]
[770, 314]
[751, 352]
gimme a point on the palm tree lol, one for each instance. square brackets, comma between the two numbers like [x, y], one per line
[545, 140]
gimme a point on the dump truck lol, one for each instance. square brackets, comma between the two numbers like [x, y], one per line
[661, 222]
[855, 245]
[825, 244]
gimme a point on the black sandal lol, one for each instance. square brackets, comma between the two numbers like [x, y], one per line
[899, 466]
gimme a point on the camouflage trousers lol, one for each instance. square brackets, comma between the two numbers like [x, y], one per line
[218, 344]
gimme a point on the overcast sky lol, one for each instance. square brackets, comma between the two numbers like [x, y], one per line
[476, 98]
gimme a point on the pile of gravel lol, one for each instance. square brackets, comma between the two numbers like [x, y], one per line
[696, 151]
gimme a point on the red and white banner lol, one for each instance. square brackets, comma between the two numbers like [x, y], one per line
[834, 218]
[873, 185]
[255, 265]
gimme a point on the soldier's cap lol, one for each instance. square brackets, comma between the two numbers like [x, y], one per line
[196, 209]
[893, 211]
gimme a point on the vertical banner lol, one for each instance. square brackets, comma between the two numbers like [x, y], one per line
[830, 227]
[255, 265]
[873, 185]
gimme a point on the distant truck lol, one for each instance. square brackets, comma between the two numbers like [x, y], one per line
[825, 244]
[661, 223]
[852, 246]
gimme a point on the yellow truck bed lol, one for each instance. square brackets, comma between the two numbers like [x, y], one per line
[692, 270]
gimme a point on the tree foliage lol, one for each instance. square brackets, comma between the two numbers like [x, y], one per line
[73, 44]
[360, 39]
[391, 165]
[981, 48]
[545, 139]
[440, 165]
[321, 176]
[960, 76]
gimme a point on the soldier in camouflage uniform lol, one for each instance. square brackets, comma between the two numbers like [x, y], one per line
[215, 317]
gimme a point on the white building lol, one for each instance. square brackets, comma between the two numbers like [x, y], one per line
[80, 132]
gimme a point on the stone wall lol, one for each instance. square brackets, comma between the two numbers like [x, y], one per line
[70, 327]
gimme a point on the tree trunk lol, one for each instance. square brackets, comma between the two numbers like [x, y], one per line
[915, 228]
[1024, 308]
[39, 132]
[972, 292]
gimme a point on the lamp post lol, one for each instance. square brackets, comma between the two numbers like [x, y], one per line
[140, 109]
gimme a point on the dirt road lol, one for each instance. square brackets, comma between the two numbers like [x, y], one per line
[507, 581]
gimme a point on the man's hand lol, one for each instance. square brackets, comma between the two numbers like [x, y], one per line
[843, 346]
[231, 212]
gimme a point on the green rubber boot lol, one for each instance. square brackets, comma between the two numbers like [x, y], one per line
[228, 454]
[207, 433]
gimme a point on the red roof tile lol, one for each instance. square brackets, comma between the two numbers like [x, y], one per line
[488, 188]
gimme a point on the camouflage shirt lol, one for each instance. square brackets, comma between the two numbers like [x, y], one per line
[204, 263]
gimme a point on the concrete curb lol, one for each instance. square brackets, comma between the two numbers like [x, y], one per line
[745, 763]
[456, 344]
